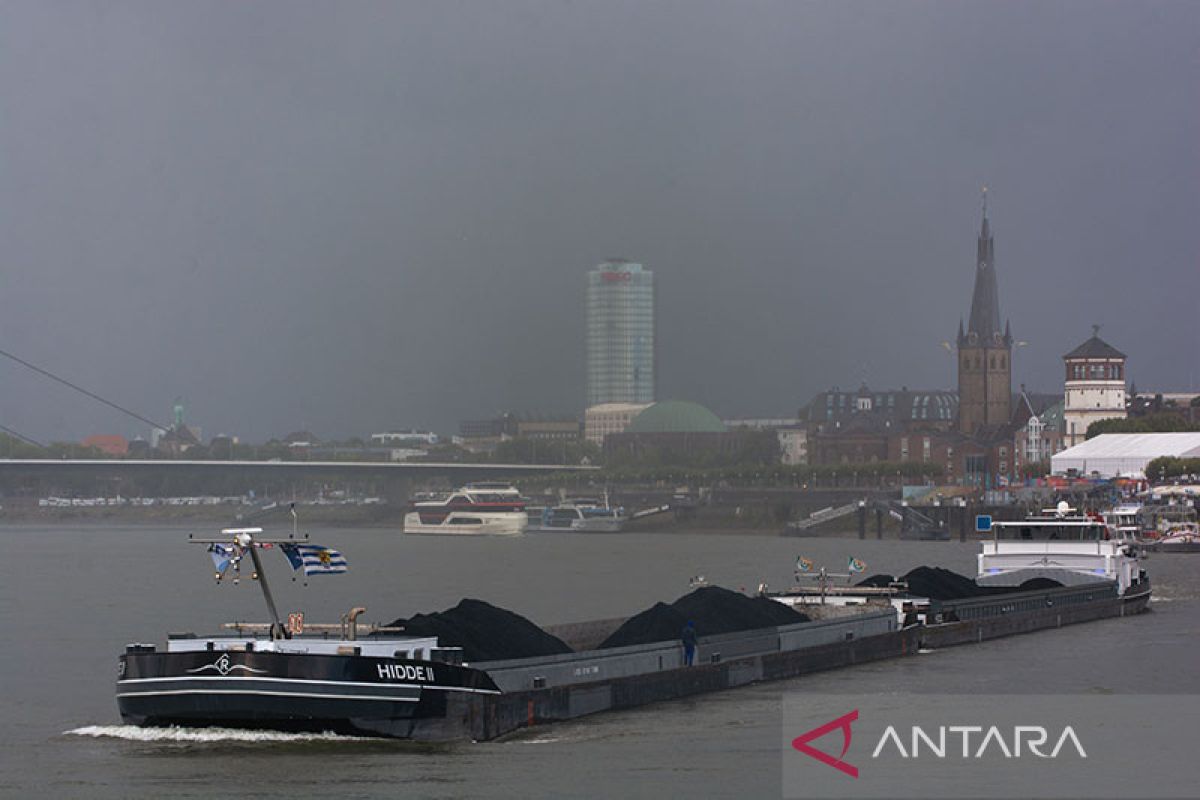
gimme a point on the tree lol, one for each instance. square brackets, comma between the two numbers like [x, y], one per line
[12, 447]
[1167, 467]
[1150, 423]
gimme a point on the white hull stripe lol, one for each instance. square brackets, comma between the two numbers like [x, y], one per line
[312, 695]
[304, 681]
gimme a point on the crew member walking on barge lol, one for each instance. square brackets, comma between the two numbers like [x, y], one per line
[689, 643]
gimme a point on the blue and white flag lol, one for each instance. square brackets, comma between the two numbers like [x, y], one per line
[222, 555]
[314, 558]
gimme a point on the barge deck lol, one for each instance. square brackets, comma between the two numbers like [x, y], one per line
[538, 691]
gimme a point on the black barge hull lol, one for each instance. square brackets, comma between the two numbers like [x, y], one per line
[345, 694]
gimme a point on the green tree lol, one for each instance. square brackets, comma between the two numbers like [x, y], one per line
[1150, 423]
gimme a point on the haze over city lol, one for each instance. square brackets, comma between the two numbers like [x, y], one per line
[353, 217]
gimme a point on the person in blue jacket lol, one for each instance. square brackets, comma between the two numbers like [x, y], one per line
[689, 643]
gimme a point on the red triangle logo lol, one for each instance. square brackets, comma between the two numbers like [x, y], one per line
[842, 723]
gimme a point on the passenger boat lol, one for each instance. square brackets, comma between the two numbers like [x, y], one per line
[584, 515]
[482, 508]
[1067, 547]
[1183, 537]
[1125, 518]
[344, 678]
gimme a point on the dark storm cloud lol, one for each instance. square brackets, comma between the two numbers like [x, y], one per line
[352, 216]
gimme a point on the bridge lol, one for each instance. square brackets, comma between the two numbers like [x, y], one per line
[395, 477]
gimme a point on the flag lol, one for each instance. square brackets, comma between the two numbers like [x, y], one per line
[856, 565]
[314, 558]
[803, 564]
[222, 555]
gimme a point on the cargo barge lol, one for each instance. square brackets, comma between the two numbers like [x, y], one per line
[383, 683]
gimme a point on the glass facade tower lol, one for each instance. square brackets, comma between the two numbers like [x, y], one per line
[620, 334]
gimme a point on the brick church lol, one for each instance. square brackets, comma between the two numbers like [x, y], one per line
[976, 435]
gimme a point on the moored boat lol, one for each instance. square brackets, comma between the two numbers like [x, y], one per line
[1184, 537]
[479, 509]
[584, 515]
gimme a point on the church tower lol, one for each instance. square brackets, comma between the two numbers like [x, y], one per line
[984, 351]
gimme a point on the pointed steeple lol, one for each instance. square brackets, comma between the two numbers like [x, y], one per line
[984, 325]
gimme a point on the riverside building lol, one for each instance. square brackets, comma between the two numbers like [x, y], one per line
[620, 334]
[1094, 389]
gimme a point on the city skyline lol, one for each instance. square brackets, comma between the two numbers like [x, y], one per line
[348, 222]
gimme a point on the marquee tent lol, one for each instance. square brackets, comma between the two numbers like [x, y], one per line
[1113, 455]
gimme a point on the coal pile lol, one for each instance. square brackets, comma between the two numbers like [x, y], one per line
[880, 581]
[484, 632]
[938, 583]
[713, 610]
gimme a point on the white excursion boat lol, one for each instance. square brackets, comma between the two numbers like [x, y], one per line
[479, 509]
[1064, 546]
[1126, 518]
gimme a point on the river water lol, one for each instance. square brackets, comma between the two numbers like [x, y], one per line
[72, 597]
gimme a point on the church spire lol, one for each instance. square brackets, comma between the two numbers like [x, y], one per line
[984, 325]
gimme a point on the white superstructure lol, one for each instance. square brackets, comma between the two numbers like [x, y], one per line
[1067, 548]
[481, 508]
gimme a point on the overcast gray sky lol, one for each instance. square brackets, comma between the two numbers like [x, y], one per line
[354, 216]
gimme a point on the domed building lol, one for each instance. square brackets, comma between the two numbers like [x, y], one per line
[676, 416]
[679, 432]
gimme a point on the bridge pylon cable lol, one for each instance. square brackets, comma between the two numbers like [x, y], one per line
[83, 391]
[21, 436]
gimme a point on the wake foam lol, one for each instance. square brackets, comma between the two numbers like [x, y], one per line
[133, 733]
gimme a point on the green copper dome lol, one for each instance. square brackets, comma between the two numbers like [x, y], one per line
[676, 416]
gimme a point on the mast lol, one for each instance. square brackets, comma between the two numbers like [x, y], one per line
[277, 629]
[244, 539]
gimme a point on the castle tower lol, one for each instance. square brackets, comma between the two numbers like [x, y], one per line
[1094, 388]
[984, 350]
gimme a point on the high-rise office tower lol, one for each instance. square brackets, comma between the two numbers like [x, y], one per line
[620, 333]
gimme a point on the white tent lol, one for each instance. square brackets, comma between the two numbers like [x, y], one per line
[1113, 455]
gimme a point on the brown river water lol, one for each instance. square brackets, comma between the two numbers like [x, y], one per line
[72, 597]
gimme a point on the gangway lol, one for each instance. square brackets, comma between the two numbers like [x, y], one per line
[824, 515]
